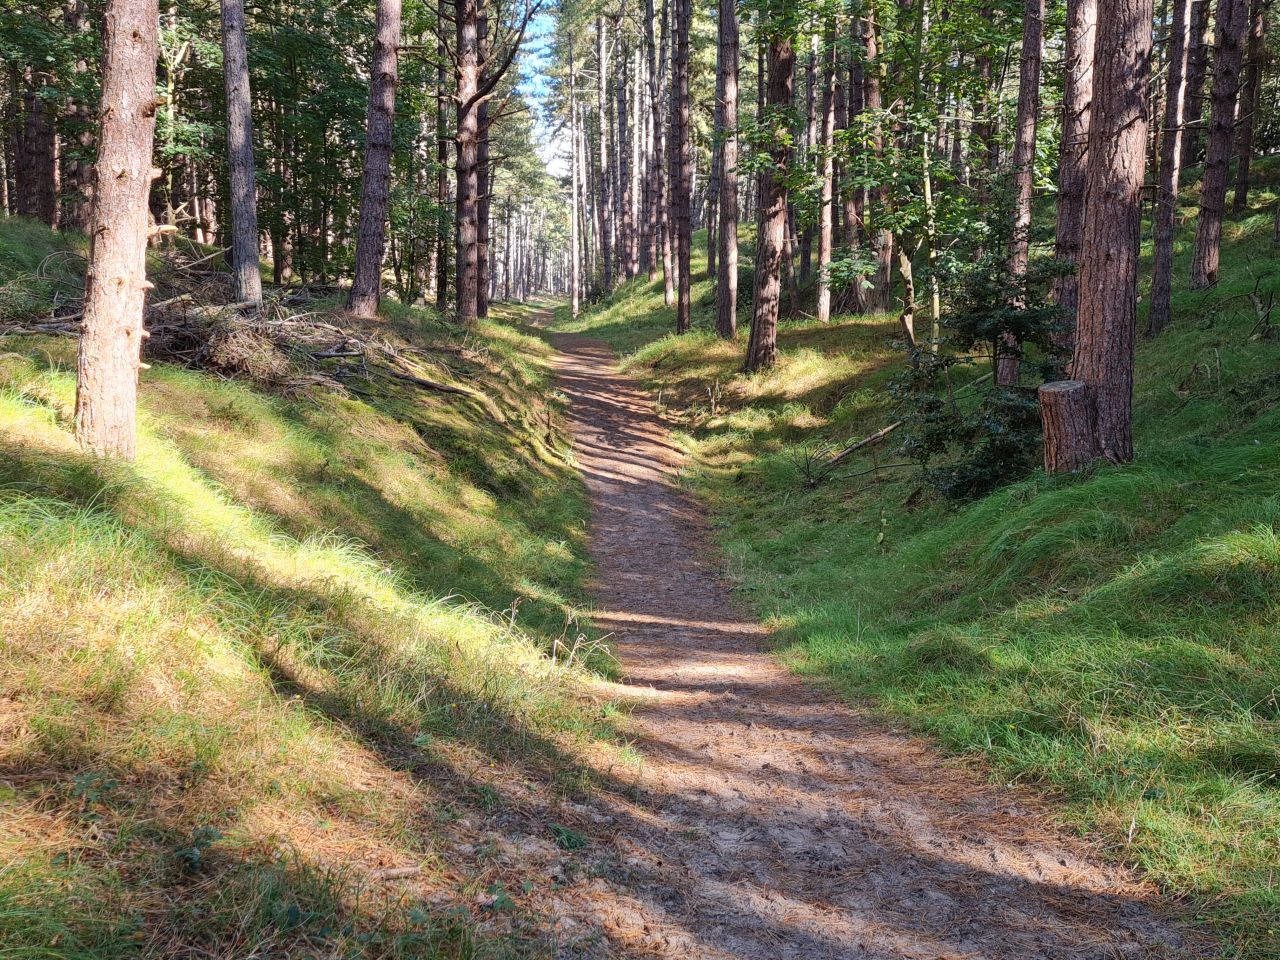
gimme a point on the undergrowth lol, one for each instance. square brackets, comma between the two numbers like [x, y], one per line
[304, 638]
[1111, 638]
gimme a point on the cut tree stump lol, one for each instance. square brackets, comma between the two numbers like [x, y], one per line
[1068, 428]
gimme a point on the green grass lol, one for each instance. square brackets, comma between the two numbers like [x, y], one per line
[302, 637]
[1112, 638]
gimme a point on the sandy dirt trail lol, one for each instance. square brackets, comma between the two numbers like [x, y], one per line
[771, 819]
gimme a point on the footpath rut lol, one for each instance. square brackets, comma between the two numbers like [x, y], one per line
[771, 820]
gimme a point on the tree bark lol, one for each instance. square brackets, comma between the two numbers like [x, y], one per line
[115, 281]
[1232, 23]
[826, 208]
[467, 141]
[1197, 68]
[1170, 166]
[1104, 348]
[877, 299]
[246, 268]
[1249, 101]
[1068, 439]
[1009, 351]
[442, 175]
[371, 240]
[762, 345]
[683, 166]
[574, 238]
[727, 269]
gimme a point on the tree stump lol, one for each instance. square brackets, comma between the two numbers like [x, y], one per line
[1068, 427]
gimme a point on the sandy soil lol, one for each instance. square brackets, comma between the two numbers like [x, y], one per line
[770, 819]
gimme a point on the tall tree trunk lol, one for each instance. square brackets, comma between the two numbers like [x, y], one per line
[1104, 349]
[881, 238]
[483, 177]
[603, 191]
[371, 241]
[442, 172]
[727, 272]
[1077, 102]
[826, 157]
[575, 239]
[653, 182]
[467, 68]
[762, 345]
[683, 185]
[1228, 52]
[1197, 69]
[666, 182]
[1170, 165]
[245, 265]
[713, 186]
[1249, 101]
[115, 281]
[1009, 351]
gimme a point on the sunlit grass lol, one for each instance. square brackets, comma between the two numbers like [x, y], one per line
[287, 646]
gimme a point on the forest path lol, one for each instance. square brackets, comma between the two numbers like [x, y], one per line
[770, 819]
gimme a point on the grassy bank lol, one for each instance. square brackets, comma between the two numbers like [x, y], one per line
[1111, 638]
[311, 635]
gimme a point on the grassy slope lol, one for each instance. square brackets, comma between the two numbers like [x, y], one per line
[1112, 638]
[302, 638]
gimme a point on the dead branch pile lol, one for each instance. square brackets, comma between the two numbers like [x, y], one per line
[289, 343]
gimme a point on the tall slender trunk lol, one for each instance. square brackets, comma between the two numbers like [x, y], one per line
[116, 281]
[603, 191]
[245, 266]
[1170, 166]
[713, 186]
[483, 177]
[727, 273]
[1228, 52]
[1009, 351]
[1249, 101]
[881, 238]
[666, 182]
[467, 140]
[826, 157]
[1104, 348]
[366, 285]
[762, 346]
[1077, 102]
[575, 239]
[653, 182]
[683, 166]
[442, 174]
[1197, 69]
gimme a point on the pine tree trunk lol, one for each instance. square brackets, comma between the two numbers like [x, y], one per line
[442, 174]
[115, 281]
[371, 240]
[666, 182]
[653, 181]
[826, 208]
[1008, 350]
[1077, 99]
[1105, 333]
[575, 239]
[878, 297]
[603, 191]
[713, 187]
[762, 346]
[727, 269]
[683, 167]
[1228, 51]
[1250, 96]
[1197, 70]
[1170, 166]
[245, 266]
[467, 216]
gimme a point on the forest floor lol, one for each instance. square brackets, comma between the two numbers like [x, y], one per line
[771, 819]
